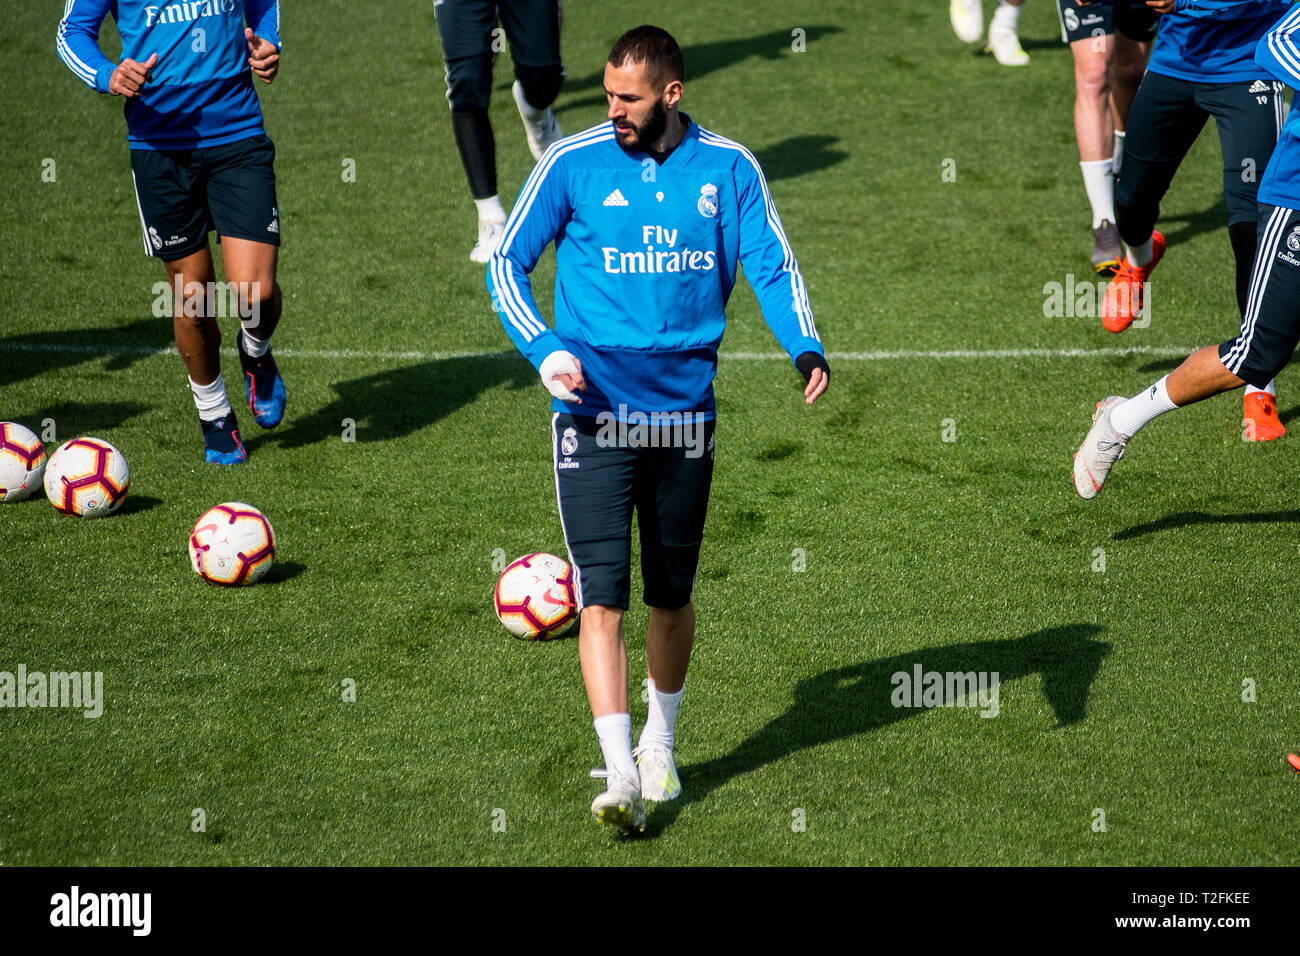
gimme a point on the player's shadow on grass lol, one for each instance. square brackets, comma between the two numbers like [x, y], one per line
[82, 418]
[30, 355]
[1213, 219]
[701, 59]
[799, 155]
[1185, 519]
[399, 401]
[850, 701]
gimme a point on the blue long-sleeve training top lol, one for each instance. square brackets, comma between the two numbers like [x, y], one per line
[1213, 41]
[1278, 52]
[645, 262]
[201, 93]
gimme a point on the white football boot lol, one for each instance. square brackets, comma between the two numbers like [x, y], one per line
[967, 18]
[542, 129]
[1100, 450]
[659, 780]
[489, 237]
[620, 805]
[1005, 45]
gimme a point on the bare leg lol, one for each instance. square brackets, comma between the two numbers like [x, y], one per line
[668, 644]
[604, 659]
[1093, 122]
[1200, 376]
[1130, 63]
[197, 337]
[251, 266]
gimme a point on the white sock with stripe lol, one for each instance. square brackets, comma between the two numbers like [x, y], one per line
[1251, 389]
[1129, 418]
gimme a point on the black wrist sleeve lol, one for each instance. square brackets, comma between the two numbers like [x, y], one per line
[807, 361]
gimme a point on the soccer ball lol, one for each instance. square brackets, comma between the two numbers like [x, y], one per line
[534, 596]
[87, 477]
[22, 461]
[232, 544]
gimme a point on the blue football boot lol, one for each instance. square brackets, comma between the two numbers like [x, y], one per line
[221, 442]
[264, 384]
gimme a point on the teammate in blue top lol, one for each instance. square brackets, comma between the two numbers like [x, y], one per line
[1270, 326]
[1203, 65]
[201, 161]
[649, 214]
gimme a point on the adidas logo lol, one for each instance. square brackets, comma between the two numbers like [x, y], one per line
[615, 199]
[1259, 86]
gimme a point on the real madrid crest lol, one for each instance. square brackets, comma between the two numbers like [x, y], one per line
[708, 204]
[569, 443]
[1293, 240]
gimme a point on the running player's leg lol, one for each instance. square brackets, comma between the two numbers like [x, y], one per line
[1267, 339]
[594, 487]
[1163, 124]
[174, 215]
[242, 199]
[672, 502]
[466, 29]
[1249, 119]
[533, 29]
[1088, 31]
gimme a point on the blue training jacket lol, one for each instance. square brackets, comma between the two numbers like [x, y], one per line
[202, 91]
[1213, 41]
[645, 262]
[1278, 52]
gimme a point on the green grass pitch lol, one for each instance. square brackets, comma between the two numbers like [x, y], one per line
[1121, 689]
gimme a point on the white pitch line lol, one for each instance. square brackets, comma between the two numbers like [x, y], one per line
[876, 356]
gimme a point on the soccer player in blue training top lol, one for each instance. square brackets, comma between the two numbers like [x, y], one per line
[648, 213]
[201, 161]
[1270, 327]
[1203, 65]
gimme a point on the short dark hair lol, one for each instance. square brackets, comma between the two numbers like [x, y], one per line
[654, 47]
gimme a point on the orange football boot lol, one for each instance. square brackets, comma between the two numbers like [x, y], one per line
[1260, 415]
[1123, 299]
[1294, 761]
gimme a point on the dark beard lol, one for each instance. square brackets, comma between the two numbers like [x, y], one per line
[653, 129]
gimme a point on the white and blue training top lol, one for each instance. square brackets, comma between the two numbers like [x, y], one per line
[201, 93]
[646, 259]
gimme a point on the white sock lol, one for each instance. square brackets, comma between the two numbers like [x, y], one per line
[489, 210]
[615, 733]
[255, 348]
[1251, 389]
[211, 399]
[658, 729]
[1117, 152]
[1005, 17]
[1129, 417]
[1100, 187]
[1141, 255]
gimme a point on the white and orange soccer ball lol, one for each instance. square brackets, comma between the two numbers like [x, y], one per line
[535, 598]
[87, 477]
[22, 461]
[232, 544]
